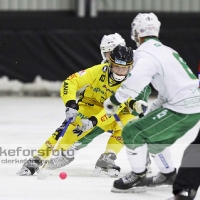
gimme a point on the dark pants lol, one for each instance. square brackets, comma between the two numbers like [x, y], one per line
[188, 177]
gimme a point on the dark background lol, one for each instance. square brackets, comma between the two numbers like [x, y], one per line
[57, 44]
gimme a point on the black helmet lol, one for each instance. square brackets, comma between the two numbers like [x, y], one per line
[122, 57]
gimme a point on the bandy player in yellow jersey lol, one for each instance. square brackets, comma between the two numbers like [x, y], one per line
[88, 113]
[105, 165]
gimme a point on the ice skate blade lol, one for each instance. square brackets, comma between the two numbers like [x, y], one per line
[159, 187]
[111, 173]
[130, 190]
[43, 174]
[172, 198]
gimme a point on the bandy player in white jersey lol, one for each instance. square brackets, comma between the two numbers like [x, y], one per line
[175, 111]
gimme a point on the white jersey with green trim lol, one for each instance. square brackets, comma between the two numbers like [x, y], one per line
[169, 74]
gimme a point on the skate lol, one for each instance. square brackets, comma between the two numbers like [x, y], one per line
[105, 166]
[131, 183]
[30, 167]
[58, 162]
[161, 180]
[180, 197]
[184, 195]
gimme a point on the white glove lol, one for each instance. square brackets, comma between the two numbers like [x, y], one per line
[87, 124]
[71, 113]
[110, 107]
[71, 110]
[140, 106]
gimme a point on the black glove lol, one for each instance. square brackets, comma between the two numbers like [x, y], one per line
[71, 110]
[86, 125]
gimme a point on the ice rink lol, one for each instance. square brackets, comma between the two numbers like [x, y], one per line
[27, 122]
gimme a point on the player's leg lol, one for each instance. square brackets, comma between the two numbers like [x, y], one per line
[176, 126]
[107, 158]
[134, 181]
[68, 155]
[115, 142]
[187, 180]
[70, 142]
[65, 157]
[32, 165]
[148, 160]
[154, 128]
[167, 172]
[105, 165]
[104, 123]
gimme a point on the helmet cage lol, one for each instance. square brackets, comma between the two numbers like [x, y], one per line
[122, 62]
[117, 77]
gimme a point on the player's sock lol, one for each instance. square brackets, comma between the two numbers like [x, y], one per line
[137, 158]
[164, 161]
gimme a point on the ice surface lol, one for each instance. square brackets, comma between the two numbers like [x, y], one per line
[27, 122]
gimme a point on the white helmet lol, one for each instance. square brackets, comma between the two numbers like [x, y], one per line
[109, 42]
[143, 25]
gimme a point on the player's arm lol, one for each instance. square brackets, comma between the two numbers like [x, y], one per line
[139, 104]
[71, 85]
[141, 76]
[77, 81]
